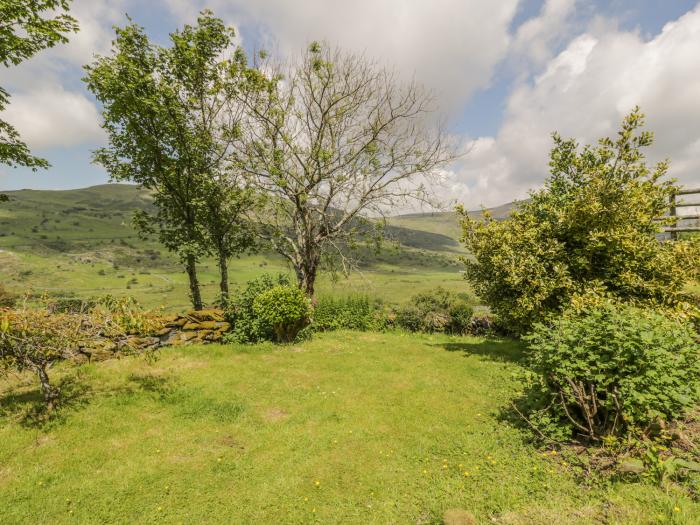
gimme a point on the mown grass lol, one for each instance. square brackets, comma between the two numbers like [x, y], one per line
[352, 428]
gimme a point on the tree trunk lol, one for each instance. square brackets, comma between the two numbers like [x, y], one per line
[195, 294]
[308, 280]
[50, 393]
[223, 283]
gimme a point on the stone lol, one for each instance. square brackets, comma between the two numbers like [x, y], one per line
[214, 336]
[178, 323]
[209, 314]
[204, 325]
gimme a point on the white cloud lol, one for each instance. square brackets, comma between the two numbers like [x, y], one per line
[536, 37]
[50, 116]
[48, 104]
[584, 92]
[452, 46]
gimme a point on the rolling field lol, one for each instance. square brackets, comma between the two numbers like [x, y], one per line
[81, 243]
[352, 428]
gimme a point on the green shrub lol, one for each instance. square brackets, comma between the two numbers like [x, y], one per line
[436, 311]
[355, 312]
[246, 327]
[284, 311]
[610, 370]
[592, 230]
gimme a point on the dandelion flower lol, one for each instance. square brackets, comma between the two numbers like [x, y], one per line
[318, 483]
[676, 509]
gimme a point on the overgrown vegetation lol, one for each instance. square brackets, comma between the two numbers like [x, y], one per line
[588, 235]
[352, 312]
[35, 339]
[611, 370]
[246, 325]
[437, 311]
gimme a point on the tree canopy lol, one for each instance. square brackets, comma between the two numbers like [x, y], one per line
[27, 27]
[171, 125]
[331, 140]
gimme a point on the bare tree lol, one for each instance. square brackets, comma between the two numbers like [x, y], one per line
[333, 141]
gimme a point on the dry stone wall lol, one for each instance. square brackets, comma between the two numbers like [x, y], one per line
[194, 327]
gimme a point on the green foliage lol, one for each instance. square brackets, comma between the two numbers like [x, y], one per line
[246, 326]
[612, 370]
[34, 339]
[332, 139]
[437, 311]
[353, 312]
[163, 110]
[284, 310]
[27, 27]
[590, 232]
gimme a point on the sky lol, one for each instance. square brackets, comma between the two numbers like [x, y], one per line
[505, 74]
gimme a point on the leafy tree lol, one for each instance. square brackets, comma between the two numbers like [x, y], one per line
[590, 233]
[168, 114]
[27, 27]
[227, 230]
[333, 139]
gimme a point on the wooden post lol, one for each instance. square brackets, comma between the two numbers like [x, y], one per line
[672, 213]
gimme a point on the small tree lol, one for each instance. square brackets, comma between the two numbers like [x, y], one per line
[590, 233]
[227, 229]
[25, 29]
[334, 139]
[35, 339]
[171, 125]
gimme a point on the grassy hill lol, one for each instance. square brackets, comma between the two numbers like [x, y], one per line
[445, 223]
[82, 243]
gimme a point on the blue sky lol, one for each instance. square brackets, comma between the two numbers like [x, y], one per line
[506, 74]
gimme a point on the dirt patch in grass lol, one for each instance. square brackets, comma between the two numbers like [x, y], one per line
[275, 414]
[231, 442]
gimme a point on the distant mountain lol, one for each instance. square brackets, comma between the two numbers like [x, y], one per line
[62, 219]
[446, 223]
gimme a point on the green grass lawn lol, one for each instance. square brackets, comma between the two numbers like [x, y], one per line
[351, 428]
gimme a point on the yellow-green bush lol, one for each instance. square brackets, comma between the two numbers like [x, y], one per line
[590, 232]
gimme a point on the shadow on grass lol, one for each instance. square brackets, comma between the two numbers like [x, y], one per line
[187, 401]
[503, 350]
[30, 409]
[161, 387]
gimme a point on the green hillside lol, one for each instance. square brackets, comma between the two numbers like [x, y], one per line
[445, 223]
[82, 242]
